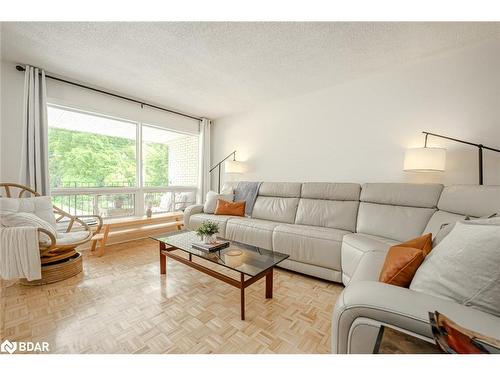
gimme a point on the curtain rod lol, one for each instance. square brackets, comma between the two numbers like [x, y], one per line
[21, 68]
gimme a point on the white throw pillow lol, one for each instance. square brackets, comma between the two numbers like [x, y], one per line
[25, 219]
[211, 201]
[465, 266]
[40, 206]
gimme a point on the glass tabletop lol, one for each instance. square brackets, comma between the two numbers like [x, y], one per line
[243, 258]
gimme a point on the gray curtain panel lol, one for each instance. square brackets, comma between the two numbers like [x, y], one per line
[34, 151]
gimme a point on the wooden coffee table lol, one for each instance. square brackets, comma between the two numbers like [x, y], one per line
[252, 263]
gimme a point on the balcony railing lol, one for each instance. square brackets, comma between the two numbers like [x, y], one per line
[121, 200]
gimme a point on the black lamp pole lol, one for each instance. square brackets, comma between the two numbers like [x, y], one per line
[218, 165]
[479, 146]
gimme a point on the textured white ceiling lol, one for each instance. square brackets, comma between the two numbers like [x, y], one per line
[215, 69]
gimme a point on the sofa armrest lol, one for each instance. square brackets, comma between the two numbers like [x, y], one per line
[364, 305]
[191, 210]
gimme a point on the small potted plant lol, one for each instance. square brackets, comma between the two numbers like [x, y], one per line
[207, 231]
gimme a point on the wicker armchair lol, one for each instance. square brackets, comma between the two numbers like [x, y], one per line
[56, 251]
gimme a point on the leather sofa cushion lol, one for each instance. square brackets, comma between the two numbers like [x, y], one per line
[331, 191]
[280, 189]
[471, 200]
[354, 246]
[402, 194]
[327, 213]
[395, 222]
[307, 244]
[197, 219]
[251, 232]
[275, 209]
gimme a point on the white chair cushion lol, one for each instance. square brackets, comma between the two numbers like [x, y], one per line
[71, 237]
[40, 206]
[464, 267]
[211, 201]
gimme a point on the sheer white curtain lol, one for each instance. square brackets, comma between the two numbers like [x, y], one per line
[204, 174]
[34, 151]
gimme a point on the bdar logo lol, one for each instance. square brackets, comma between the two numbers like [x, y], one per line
[8, 347]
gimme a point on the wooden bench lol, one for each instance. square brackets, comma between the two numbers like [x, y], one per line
[129, 228]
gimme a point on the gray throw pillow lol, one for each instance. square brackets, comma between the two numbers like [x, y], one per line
[464, 266]
[448, 227]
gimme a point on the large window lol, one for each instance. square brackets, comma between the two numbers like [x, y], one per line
[114, 168]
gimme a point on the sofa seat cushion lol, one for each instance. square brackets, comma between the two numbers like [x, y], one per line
[197, 219]
[355, 245]
[318, 246]
[253, 232]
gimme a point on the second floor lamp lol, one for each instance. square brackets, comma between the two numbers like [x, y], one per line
[428, 159]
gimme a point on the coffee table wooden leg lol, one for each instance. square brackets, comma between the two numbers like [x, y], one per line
[269, 284]
[163, 260]
[242, 289]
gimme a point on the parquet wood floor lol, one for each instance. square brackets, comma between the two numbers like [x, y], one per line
[121, 304]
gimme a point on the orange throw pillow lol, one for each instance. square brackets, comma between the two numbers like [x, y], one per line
[402, 261]
[230, 208]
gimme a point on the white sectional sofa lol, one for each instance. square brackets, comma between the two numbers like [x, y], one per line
[342, 231]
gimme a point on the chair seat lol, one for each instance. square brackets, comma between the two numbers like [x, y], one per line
[71, 237]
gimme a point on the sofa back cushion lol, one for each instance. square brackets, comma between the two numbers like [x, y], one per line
[471, 200]
[332, 205]
[277, 201]
[458, 201]
[396, 210]
[280, 189]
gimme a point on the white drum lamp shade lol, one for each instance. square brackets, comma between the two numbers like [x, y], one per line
[425, 159]
[234, 167]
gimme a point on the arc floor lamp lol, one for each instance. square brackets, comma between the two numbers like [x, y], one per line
[232, 166]
[428, 159]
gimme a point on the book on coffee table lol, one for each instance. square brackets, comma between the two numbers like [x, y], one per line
[216, 246]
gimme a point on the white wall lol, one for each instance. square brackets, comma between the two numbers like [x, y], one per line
[11, 107]
[358, 131]
[12, 88]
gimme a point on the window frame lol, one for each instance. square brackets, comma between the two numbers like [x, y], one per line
[139, 191]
